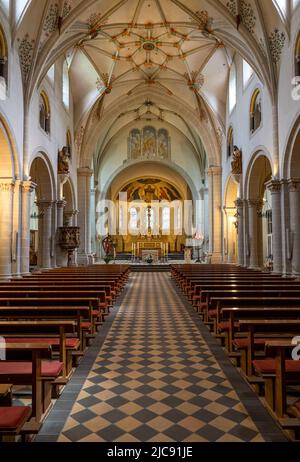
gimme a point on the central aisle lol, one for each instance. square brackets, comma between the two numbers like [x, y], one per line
[160, 376]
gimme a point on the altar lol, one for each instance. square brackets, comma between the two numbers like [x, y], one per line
[154, 254]
[155, 248]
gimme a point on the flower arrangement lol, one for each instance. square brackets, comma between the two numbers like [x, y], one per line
[149, 259]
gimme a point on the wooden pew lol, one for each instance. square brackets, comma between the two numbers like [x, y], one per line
[12, 421]
[40, 331]
[278, 372]
[34, 373]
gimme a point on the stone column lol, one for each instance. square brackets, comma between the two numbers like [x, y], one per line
[240, 231]
[61, 255]
[69, 218]
[294, 193]
[254, 207]
[27, 188]
[215, 227]
[274, 187]
[45, 233]
[6, 226]
[230, 235]
[84, 187]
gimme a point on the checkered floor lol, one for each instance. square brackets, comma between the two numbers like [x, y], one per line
[156, 379]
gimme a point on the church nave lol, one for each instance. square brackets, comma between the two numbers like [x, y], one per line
[155, 373]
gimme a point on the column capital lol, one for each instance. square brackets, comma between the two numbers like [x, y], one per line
[85, 171]
[28, 186]
[6, 185]
[255, 203]
[274, 186]
[43, 205]
[61, 203]
[214, 170]
[240, 203]
[294, 184]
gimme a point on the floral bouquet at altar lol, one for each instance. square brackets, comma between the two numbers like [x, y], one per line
[149, 259]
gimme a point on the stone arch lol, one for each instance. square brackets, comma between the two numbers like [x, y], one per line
[204, 129]
[9, 171]
[230, 221]
[166, 165]
[9, 163]
[253, 173]
[291, 160]
[259, 173]
[70, 199]
[42, 175]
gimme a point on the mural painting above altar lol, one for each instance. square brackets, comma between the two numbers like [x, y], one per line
[151, 189]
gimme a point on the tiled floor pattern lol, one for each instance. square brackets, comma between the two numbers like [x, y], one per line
[159, 376]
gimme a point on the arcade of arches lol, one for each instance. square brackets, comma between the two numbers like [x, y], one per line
[168, 125]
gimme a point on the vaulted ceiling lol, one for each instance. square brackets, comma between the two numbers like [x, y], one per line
[166, 59]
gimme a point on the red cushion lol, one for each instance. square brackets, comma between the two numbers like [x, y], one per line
[244, 343]
[49, 368]
[70, 342]
[12, 417]
[85, 325]
[226, 325]
[267, 366]
[96, 313]
[213, 313]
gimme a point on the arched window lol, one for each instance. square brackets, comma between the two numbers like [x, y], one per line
[166, 218]
[297, 57]
[44, 112]
[255, 111]
[3, 60]
[232, 88]
[133, 221]
[152, 215]
[65, 85]
[247, 72]
[230, 142]
[69, 142]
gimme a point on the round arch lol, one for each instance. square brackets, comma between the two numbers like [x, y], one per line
[129, 173]
[259, 233]
[69, 195]
[204, 129]
[41, 173]
[254, 174]
[9, 162]
[230, 223]
[291, 160]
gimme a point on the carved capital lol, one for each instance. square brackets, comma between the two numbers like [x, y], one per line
[6, 185]
[214, 171]
[44, 206]
[274, 186]
[28, 187]
[239, 203]
[294, 184]
[61, 204]
[256, 203]
[85, 171]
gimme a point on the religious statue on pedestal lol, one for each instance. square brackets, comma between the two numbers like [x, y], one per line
[237, 162]
[64, 161]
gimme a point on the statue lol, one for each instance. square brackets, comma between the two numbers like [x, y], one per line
[64, 157]
[237, 164]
